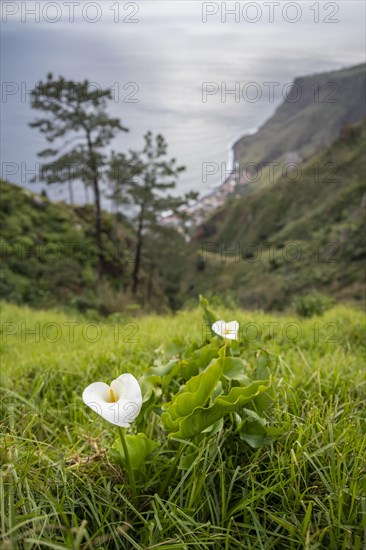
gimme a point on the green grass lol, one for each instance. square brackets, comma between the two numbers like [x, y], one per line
[60, 489]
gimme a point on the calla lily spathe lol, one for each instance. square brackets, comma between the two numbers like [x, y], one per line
[226, 330]
[119, 403]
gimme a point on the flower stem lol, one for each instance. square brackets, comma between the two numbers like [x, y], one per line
[128, 461]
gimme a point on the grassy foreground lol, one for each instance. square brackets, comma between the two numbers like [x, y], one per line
[60, 489]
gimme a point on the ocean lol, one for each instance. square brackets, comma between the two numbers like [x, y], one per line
[200, 73]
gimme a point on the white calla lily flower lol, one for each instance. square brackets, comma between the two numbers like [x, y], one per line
[119, 403]
[226, 330]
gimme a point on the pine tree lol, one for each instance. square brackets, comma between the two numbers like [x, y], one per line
[75, 117]
[142, 180]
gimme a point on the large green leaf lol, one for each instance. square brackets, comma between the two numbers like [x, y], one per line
[162, 369]
[209, 316]
[236, 368]
[253, 430]
[194, 394]
[139, 447]
[193, 363]
[202, 417]
[151, 396]
[264, 369]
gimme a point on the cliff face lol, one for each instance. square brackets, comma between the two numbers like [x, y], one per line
[310, 117]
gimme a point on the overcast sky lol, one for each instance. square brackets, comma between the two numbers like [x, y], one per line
[163, 52]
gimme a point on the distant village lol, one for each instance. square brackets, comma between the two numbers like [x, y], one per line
[198, 210]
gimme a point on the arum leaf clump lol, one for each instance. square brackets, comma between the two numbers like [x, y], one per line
[194, 394]
[203, 417]
[200, 394]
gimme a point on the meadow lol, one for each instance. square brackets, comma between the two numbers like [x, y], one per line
[62, 487]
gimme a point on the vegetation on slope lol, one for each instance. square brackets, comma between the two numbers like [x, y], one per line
[49, 252]
[300, 234]
[303, 233]
[49, 257]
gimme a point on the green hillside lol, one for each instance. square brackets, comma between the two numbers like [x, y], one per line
[300, 234]
[296, 236]
[49, 256]
[311, 116]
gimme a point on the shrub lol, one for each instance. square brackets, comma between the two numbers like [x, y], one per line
[312, 304]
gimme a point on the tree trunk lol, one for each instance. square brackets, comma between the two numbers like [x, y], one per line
[86, 189]
[150, 282]
[98, 212]
[98, 222]
[71, 193]
[136, 267]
